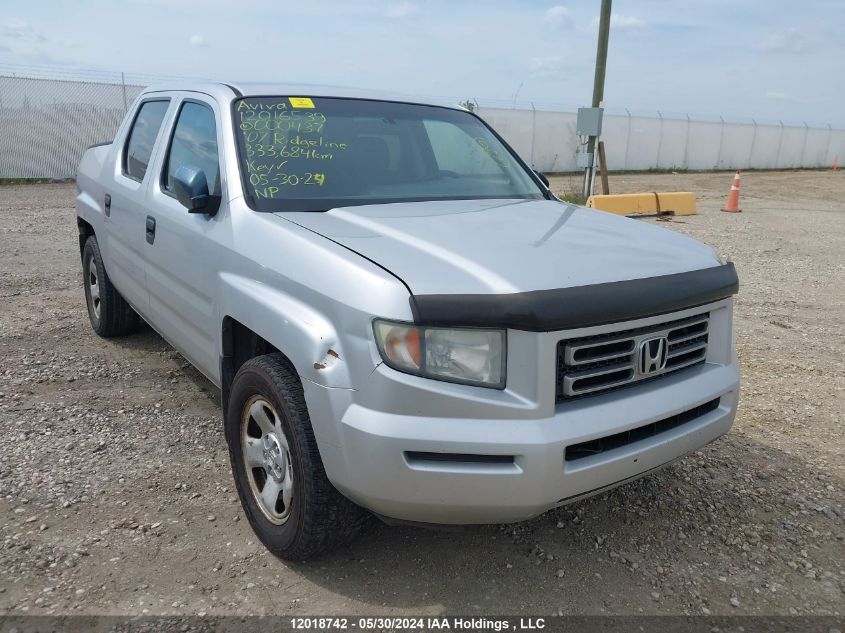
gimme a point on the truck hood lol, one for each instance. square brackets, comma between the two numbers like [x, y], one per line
[506, 246]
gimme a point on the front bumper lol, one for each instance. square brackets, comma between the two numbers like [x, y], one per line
[405, 456]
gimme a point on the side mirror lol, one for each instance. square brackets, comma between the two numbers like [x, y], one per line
[542, 178]
[191, 188]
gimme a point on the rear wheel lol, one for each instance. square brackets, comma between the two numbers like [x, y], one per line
[109, 313]
[287, 497]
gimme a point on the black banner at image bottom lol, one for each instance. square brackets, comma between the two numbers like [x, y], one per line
[521, 624]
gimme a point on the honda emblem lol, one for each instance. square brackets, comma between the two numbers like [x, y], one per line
[652, 355]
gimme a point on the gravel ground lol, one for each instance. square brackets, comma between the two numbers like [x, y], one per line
[116, 496]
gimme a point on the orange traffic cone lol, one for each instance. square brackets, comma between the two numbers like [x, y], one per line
[732, 205]
[835, 166]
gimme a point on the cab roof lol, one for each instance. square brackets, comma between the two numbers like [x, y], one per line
[235, 89]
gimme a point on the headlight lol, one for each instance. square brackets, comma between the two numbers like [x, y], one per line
[470, 356]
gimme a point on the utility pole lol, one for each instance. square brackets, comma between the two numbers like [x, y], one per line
[598, 87]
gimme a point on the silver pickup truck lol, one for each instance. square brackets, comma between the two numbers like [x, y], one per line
[401, 317]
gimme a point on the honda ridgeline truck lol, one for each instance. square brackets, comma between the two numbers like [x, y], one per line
[400, 315]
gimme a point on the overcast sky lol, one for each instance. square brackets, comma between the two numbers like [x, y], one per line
[773, 59]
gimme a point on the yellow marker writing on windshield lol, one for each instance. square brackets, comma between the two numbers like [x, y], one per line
[301, 102]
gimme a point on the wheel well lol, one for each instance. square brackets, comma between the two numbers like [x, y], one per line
[239, 345]
[85, 231]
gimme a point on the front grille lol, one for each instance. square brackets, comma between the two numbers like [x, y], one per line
[595, 364]
[617, 440]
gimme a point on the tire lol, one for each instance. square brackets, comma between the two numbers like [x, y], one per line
[109, 313]
[285, 493]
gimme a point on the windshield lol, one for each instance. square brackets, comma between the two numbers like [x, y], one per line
[315, 154]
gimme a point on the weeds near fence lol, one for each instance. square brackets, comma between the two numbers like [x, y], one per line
[32, 181]
[572, 198]
[571, 189]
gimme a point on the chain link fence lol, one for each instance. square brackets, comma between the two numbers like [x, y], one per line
[46, 124]
[48, 117]
[548, 141]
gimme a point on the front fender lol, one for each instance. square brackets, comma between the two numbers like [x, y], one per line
[305, 336]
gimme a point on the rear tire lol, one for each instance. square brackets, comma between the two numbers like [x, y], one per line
[285, 493]
[109, 313]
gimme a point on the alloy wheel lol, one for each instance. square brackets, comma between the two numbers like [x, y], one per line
[267, 459]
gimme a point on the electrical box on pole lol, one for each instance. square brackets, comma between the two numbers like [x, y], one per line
[587, 125]
[588, 122]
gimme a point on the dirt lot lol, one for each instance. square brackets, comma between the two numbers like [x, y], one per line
[116, 496]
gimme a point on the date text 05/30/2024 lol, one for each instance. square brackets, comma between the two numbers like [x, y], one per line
[417, 624]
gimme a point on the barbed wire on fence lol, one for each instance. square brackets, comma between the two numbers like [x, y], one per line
[88, 75]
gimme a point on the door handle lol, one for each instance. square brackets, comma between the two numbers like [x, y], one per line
[107, 205]
[151, 229]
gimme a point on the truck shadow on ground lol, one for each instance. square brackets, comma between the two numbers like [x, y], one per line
[657, 541]
[147, 341]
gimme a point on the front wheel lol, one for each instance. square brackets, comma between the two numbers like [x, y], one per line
[287, 497]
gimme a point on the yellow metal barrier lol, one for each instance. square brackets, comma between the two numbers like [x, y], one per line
[656, 202]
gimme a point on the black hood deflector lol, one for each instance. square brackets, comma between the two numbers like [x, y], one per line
[581, 306]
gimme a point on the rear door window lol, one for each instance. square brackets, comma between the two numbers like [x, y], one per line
[142, 138]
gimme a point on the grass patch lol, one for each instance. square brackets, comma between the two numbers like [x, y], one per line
[572, 198]
[33, 181]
